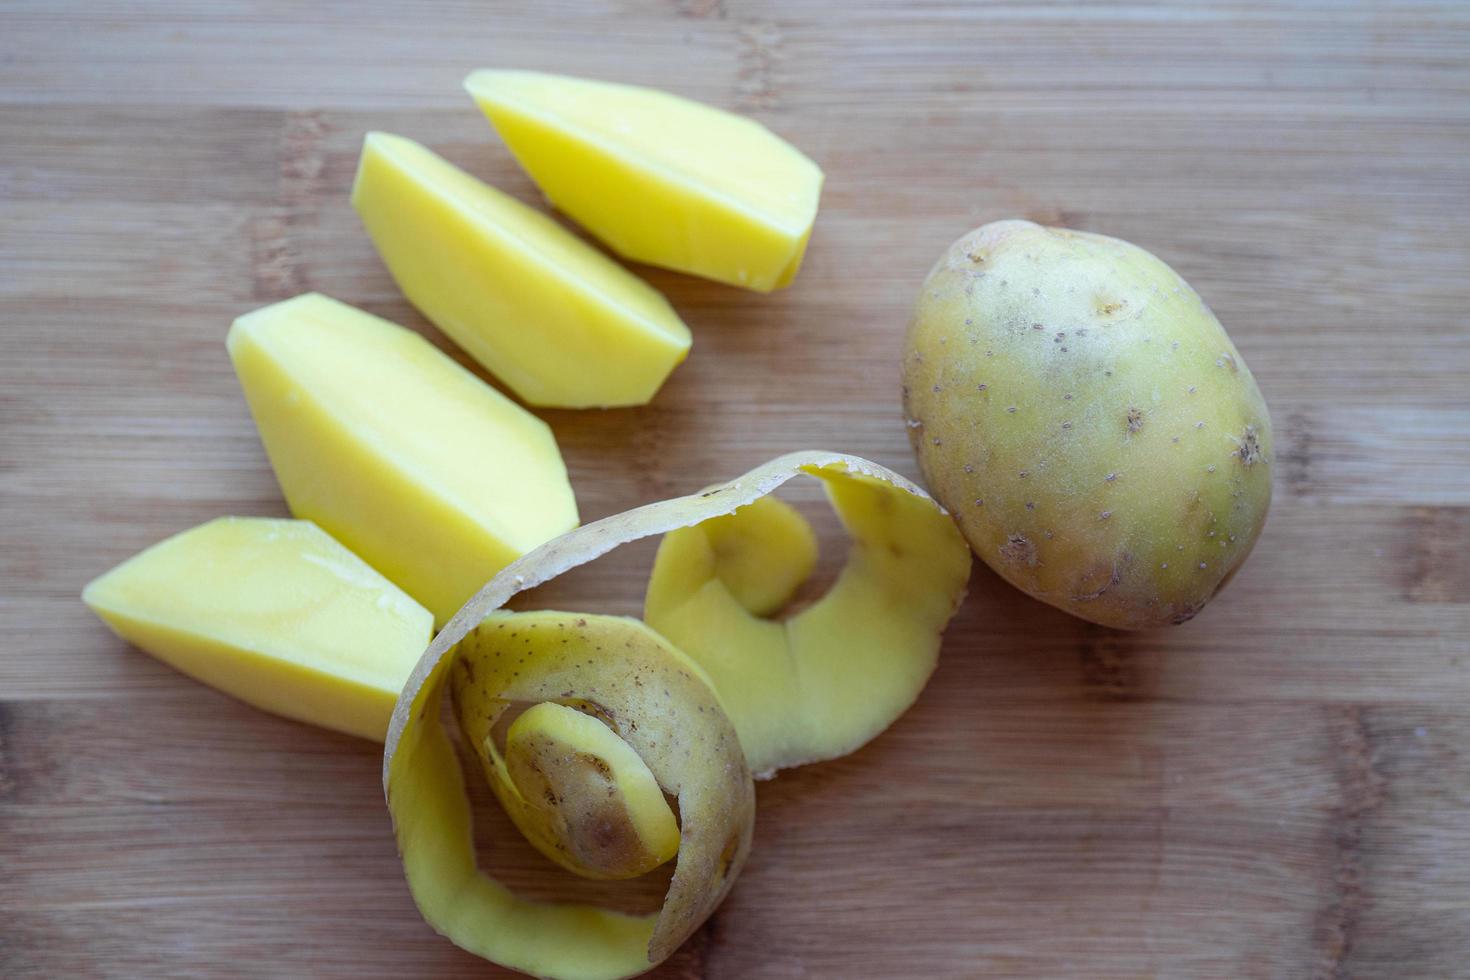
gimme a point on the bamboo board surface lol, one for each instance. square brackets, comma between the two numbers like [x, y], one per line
[1280, 788]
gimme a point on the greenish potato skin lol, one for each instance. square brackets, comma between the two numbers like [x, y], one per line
[1083, 415]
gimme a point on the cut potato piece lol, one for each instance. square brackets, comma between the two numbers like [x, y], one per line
[661, 179]
[822, 683]
[432, 476]
[274, 612]
[625, 674]
[559, 322]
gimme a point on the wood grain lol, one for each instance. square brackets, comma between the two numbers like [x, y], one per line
[1279, 788]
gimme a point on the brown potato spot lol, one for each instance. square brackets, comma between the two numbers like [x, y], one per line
[1250, 447]
[1019, 548]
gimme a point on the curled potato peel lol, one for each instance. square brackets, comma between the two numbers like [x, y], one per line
[580, 793]
[827, 680]
[651, 698]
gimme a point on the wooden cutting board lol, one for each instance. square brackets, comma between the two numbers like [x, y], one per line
[1280, 788]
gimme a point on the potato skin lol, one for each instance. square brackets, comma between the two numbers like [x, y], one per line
[1083, 415]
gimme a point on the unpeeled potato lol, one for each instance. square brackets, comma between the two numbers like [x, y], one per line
[1082, 413]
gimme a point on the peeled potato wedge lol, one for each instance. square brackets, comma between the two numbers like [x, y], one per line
[659, 178]
[558, 321]
[274, 612]
[433, 477]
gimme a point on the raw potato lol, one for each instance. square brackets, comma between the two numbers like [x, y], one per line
[1082, 413]
[554, 318]
[824, 682]
[432, 476]
[274, 612]
[421, 774]
[659, 178]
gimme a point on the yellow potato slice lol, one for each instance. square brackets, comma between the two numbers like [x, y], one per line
[274, 612]
[554, 318]
[685, 738]
[824, 682]
[661, 179]
[432, 476]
